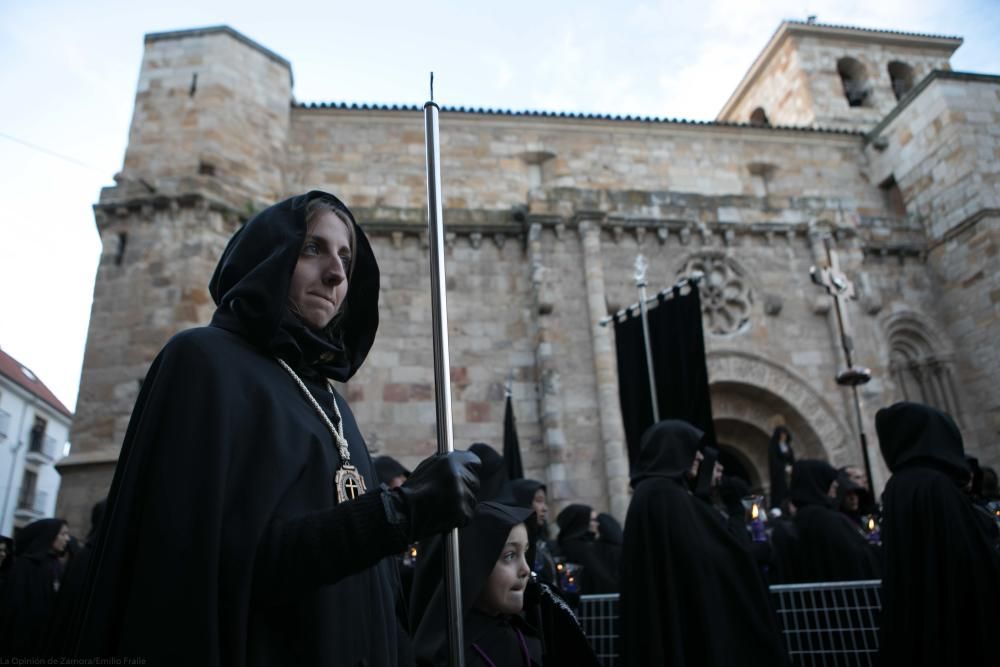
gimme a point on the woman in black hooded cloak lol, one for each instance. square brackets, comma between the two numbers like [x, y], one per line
[941, 590]
[780, 459]
[577, 544]
[235, 532]
[28, 598]
[830, 546]
[690, 592]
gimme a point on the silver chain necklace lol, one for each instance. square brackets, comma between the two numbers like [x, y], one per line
[349, 482]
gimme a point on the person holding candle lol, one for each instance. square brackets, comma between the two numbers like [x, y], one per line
[245, 523]
[691, 594]
[941, 589]
[830, 546]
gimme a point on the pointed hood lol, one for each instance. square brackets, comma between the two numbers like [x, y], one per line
[251, 283]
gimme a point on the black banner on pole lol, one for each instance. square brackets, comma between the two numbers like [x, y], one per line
[678, 347]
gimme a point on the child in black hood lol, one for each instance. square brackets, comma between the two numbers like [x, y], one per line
[509, 619]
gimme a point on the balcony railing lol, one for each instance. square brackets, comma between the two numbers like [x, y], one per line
[42, 444]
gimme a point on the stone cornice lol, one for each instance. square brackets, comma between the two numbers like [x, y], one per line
[915, 92]
[220, 30]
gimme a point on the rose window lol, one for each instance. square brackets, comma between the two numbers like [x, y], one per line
[725, 293]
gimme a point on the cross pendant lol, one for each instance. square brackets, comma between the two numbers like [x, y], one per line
[349, 482]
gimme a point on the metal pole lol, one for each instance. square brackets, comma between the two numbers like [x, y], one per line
[442, 364]
[640, 282]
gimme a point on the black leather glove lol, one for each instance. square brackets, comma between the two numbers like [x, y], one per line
[440, 494]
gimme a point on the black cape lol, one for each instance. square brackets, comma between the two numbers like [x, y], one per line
[223, 543]
[830, 546]
[777, 459]
[546, 633]
[691, 594]
[577, 545]
[941, 590]
[28, 597]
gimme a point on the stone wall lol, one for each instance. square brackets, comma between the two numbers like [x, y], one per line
[545, 215]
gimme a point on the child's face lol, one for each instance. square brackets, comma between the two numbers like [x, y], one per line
[504, 590]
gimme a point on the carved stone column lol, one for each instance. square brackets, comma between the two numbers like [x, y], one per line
[549, 385]
[606, 372]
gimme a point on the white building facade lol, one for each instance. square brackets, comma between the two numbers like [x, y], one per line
[34, 433]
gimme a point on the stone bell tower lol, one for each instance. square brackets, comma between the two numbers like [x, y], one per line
[206, 148]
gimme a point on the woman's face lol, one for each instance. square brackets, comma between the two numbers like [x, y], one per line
[540, 506]
[594, 527]
[504, 589]
[319, 283]
[693, 472]
[59, 544]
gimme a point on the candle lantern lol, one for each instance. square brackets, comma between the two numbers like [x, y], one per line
[755, 517]
[872, 529]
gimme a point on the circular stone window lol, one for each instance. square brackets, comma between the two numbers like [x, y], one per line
[725, 293]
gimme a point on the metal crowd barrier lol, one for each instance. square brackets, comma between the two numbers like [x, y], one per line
[823, 624]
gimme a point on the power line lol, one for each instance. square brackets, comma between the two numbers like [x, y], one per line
[46, 151]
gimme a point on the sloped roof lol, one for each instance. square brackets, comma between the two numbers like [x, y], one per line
[366, 106]
[22, 376]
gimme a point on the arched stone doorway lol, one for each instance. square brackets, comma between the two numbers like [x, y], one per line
[750, 396]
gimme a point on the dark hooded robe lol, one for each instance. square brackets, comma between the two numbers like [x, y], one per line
[387, 469]
[830, 546]
[702, 486]
[690, 593]
[545, 633]
[941, 589]
[521, 493]
[223, 542]
[780, 457]
[492, 471]
[429, 569]
[577, 545]
[28, 597]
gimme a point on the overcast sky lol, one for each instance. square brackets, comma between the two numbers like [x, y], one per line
[70, 69]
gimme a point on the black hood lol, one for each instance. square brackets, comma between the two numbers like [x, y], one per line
[37, 537]
[915, 434]
[388, 469]
[667, 449]
[492, 473]
[480, 544]
[574, 522]
[811, 480]
[521, 492]
[610, 530]
[703, 482]
[251, 282]
[731, 491]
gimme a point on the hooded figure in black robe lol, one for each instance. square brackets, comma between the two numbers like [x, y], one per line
[577, 544]
[389, 471]
[704, 485]
[429, 569]
[831, 547]
[545, 633]
[28, 598]
[780, 459]
[492, 472]
[541, 560]
[609, 546]
[690, 593]
[223, 541]
[941, 589]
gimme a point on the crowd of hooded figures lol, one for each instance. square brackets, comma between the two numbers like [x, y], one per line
[248, 524]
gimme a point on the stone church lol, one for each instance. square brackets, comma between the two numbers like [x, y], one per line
[859, 141]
